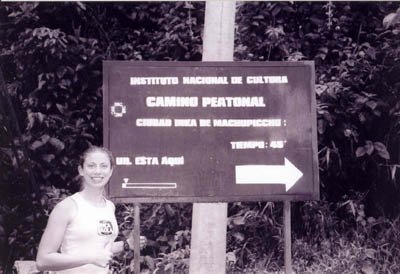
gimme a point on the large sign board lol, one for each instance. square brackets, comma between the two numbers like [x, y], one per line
[211, 131]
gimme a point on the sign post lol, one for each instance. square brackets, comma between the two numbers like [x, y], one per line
[287, 237]
[136, 238]
[209, 220]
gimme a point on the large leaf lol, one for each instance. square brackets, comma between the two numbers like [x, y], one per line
[382, 150]
[59, 145]
[38, 143]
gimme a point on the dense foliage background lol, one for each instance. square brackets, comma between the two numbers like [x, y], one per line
[50, 110]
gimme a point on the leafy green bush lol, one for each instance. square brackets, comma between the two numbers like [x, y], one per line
[51, 55]
[167, 228]
[356, 59]
[370, 246]
[255, 234]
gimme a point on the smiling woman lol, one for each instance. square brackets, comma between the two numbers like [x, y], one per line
[81, 230]
[95, 168]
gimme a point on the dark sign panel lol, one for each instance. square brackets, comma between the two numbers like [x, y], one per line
[211, 131]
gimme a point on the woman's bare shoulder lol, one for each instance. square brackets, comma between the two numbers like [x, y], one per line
[65, 208]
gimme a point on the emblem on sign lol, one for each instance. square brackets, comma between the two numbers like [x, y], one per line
[118, 109]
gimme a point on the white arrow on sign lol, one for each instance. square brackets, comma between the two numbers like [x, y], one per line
[286, 174]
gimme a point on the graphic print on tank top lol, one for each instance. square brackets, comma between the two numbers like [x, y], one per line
[104, 228]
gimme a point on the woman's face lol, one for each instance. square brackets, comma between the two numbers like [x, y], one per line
[96, 169]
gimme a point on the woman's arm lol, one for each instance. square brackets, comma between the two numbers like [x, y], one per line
[117, 247]
[48, 257]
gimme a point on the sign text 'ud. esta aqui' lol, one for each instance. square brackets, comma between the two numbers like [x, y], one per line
[211, 131]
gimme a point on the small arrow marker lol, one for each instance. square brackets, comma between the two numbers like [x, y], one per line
[125, 184]
[286, 174]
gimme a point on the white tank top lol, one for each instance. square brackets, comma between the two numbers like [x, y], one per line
[91, 229]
